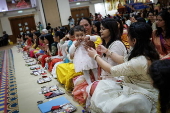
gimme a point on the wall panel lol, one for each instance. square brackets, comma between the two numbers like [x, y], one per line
[51, 12]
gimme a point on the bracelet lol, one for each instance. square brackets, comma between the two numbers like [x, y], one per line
[110, 54]
[95, 56]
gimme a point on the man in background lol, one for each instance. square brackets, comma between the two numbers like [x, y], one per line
[5, 38]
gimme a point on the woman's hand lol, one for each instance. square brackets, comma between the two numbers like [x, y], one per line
[48, 59]
[101, 49]
[91, 52]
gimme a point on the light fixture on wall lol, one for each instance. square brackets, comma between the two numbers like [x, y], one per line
[20, 11]
[78, 3]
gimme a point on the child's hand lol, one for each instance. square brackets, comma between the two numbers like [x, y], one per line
[101, 49]
[86, 38]
[77, 43]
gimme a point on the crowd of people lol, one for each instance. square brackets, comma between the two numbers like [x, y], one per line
[114, 64]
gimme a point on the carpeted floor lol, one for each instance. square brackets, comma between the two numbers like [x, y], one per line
[8, 87]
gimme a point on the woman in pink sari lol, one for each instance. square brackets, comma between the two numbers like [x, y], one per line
[161, 36]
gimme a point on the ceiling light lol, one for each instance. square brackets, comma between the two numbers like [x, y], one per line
[20, 11]
[78, 3]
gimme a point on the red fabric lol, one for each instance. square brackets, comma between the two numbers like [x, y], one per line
[59, 52]
[29, 43]
[21, 3]
[43, 60]
[26, 48]
[79, 91]
[38, 54]
[48, 94]
[51, 64]
[168, 58]
[32, 53]
[55, 107]
[165, 58]
[93, 87]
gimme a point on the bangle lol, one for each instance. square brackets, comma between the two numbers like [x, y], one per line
[95, 56]
[110, 54]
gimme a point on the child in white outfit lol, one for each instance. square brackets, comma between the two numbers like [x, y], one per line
[82, 61]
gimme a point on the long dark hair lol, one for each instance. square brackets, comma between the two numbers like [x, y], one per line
[149, 21]
[79, 28]
[120, 25]
[166, 17]
[31, 36]
[41, 37]
[112, 25]
[50, 39]
[37, 33]
[142, 33]
[84, 18]
[159, 72]
[60, 34]
[89, 21]
[71, 32]
[97, 24]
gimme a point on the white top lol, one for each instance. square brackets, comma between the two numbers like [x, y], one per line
[116, 47]
[128, 22]
[71, 21]
[134, 71]
[82, 61]
[154, 26]
[136, 96]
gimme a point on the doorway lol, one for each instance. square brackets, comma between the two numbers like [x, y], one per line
[21, 24]
[79, 12]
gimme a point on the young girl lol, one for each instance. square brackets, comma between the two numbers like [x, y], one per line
[34, 49]
[29, 42]
[82, 62]
[19, 42]
[70, 42]
[55, 57]
[65, 53]
[48, 39]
